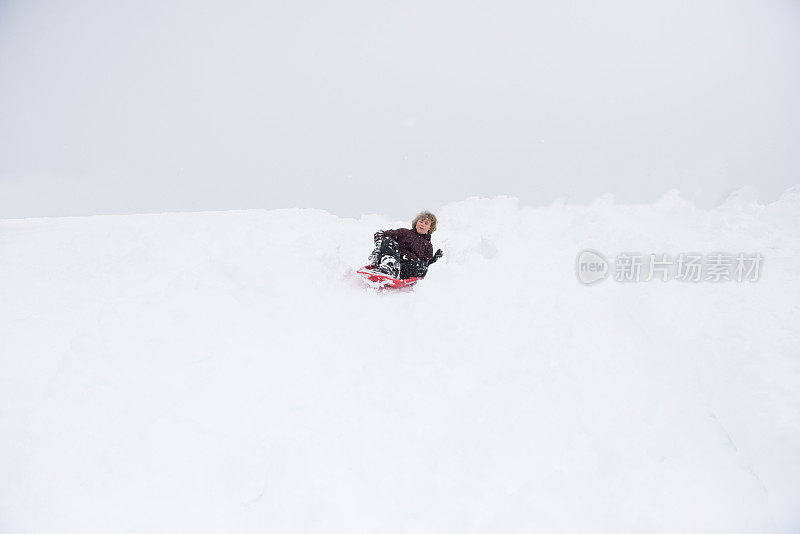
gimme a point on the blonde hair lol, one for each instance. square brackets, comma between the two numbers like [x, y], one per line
[425, 215]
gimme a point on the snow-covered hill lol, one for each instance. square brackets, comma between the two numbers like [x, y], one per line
[226, 372]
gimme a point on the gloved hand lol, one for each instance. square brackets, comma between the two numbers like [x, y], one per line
[436, 256]
[378, 236]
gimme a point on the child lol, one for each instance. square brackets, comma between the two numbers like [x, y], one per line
[405, 253]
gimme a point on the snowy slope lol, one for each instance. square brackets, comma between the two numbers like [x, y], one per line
[225, 372]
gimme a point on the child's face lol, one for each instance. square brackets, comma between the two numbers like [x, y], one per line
[423, 225]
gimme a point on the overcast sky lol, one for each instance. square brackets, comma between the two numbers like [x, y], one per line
[391, 107]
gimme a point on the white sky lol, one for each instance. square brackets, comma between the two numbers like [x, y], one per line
[391, 107]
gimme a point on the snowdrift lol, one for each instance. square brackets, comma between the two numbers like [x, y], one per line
[226, 372]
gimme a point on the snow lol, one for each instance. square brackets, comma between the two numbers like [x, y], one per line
[227, 372]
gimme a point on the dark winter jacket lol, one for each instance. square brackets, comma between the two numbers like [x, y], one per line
[412, 244]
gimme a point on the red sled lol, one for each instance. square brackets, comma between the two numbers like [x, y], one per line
[375, 278]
